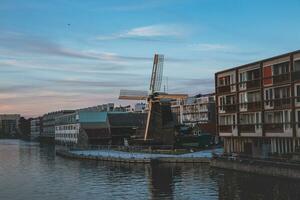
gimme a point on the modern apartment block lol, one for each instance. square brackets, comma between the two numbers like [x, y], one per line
[258, 106]
[35, 128]
[199, 109]
[94, 128]
[9, 125]
[48, 121]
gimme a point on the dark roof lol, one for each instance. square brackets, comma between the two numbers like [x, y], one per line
[127, 119]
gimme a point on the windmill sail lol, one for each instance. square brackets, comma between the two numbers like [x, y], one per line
[157, 73]
[133, 95]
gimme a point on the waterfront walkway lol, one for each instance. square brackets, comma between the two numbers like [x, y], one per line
[123, 156]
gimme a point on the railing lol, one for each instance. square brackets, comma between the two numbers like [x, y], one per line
[253, 84]
[296, 75]
[225, 128]
[224, 89]
[253, 106]
[281, 78]
[274, 127]
[247, 128]
[230, 108]
[281, 103]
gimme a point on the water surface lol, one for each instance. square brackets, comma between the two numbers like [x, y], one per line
[33, 171]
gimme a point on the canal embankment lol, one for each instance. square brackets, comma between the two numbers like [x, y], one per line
[134, 157]
[259, 166]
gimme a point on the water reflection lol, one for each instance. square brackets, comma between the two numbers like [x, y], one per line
[33, 171]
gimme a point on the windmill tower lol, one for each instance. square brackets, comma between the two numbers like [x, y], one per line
[160, 122]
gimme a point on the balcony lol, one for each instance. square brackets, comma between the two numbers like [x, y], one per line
[281, 78]
[229, 108]
[247, 128]
[224, 89]
[283, 103]
[274, 128]
[253, 84]
[225, 128]
[254, 106]
[296, 75]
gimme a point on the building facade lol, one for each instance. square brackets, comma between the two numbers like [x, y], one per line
[94, 128]
[196, 112]
[48, 121]
[9, 125]
[35, 128]
[258, 106]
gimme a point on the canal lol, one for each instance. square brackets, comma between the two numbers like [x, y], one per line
[33, 171]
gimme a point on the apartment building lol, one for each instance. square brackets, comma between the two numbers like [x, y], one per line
[48, 121]
[9, 125]
[258, 106]
[199, 109]
[35, 128]
[90, 127]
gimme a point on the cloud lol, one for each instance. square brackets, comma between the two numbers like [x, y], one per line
[156, 32]
[13, 42]
[210, 47]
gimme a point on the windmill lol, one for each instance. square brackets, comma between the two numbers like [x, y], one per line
[160, 122]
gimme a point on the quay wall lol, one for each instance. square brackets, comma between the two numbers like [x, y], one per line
[276, 169]
[67, 154]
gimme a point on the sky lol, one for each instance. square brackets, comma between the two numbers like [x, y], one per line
[68, 54]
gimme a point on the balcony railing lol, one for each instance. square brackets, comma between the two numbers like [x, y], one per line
[281, 78]
[296, 75]
[253, 106]
[229, 108]
[224, 89]
[282, 103]
[225, 128]
[253, 84]
[274, 128]
[247, 128]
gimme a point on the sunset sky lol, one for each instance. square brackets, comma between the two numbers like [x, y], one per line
[65, 54]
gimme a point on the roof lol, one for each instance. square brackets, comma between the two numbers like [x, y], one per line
[259, 61]
[92, 117]
[127, 119]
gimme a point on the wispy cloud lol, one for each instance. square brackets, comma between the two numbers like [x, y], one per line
[26, 44]
[151, 32]
[211, 47]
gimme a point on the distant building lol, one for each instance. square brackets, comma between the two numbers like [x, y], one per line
[197, 112]
[100, 108]
[9, 125]
[123, 108]
[35, 128]
[48, 121]
[24, 128]
[259, 106]
[140, 107]
[92, 128]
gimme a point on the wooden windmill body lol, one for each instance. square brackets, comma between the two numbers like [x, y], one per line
[160, 122]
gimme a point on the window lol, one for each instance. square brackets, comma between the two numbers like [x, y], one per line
[281, 68]
[297, 65]
[298, 115]
[254, 96]
[298, 93]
